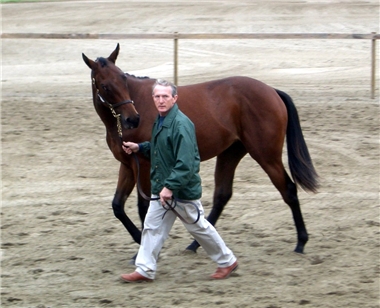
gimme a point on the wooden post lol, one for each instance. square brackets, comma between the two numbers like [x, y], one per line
[373, 65]
[175, 58]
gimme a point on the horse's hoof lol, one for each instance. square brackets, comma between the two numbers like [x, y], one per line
[133, 260]
[299, 249]
[189, 251]
[193, 247]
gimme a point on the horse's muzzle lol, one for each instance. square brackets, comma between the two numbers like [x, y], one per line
[131, 122]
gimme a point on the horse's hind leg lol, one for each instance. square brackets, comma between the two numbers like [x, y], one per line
[288, 190]
[226, 164]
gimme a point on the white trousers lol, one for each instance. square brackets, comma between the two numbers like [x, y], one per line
[157, 226]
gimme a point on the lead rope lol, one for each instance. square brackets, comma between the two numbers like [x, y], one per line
[169, 206]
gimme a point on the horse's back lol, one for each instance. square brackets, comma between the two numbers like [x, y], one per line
[234, 109]
[223, 95]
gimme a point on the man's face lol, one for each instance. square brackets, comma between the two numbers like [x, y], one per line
[163, 99]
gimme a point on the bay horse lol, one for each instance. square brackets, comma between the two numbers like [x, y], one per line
[232, 116]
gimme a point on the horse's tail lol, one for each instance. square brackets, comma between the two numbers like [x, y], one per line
[300, 163]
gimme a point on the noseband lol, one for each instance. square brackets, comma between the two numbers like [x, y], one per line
[112, 108]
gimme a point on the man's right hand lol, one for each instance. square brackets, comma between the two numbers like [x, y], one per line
[130, 147]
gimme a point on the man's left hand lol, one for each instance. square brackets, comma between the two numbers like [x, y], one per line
[165, 195]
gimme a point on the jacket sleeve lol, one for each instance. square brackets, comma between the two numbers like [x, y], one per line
[144, 148]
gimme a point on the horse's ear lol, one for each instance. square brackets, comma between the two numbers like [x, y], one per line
[114, 54]
[91, 64]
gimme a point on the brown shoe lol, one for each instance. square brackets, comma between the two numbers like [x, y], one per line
[135, 277]
[224, 272]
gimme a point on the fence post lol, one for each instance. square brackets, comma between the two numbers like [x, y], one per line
[373, 65]
[176, 58]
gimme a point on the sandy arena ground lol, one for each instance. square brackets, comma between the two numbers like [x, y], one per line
[62, 245]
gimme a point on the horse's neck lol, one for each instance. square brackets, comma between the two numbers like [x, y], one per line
[139, 86]
[140, 91]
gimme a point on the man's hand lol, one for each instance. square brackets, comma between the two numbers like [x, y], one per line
[130, 147]
[165, 195]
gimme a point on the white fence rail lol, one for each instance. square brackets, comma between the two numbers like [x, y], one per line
[179, 36]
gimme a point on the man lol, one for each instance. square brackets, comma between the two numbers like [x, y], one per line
[175, 161]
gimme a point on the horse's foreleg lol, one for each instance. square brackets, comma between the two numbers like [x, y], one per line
[144, 181]
[226, 164]
[125, 186]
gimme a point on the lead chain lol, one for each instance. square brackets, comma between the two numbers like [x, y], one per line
[118, 122]
[115, 115]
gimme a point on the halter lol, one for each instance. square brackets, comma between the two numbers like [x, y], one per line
[112, 108]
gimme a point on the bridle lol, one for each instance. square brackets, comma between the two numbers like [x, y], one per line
[169, 206]
[112, 108]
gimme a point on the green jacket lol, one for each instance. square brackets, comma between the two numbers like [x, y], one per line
[174, 156]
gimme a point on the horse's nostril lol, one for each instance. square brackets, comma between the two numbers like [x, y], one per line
[132, 122]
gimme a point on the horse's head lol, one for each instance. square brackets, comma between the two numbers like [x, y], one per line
[110, 84]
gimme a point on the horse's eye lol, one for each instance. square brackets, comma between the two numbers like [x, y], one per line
[104, 87]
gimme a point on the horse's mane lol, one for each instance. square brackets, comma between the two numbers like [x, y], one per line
[104, 62]
[138, 77]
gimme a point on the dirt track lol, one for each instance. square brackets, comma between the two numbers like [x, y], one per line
[61, 244]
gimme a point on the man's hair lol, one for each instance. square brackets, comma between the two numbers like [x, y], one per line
[165, 83]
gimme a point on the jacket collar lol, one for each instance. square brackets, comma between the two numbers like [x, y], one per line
[169, 117]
